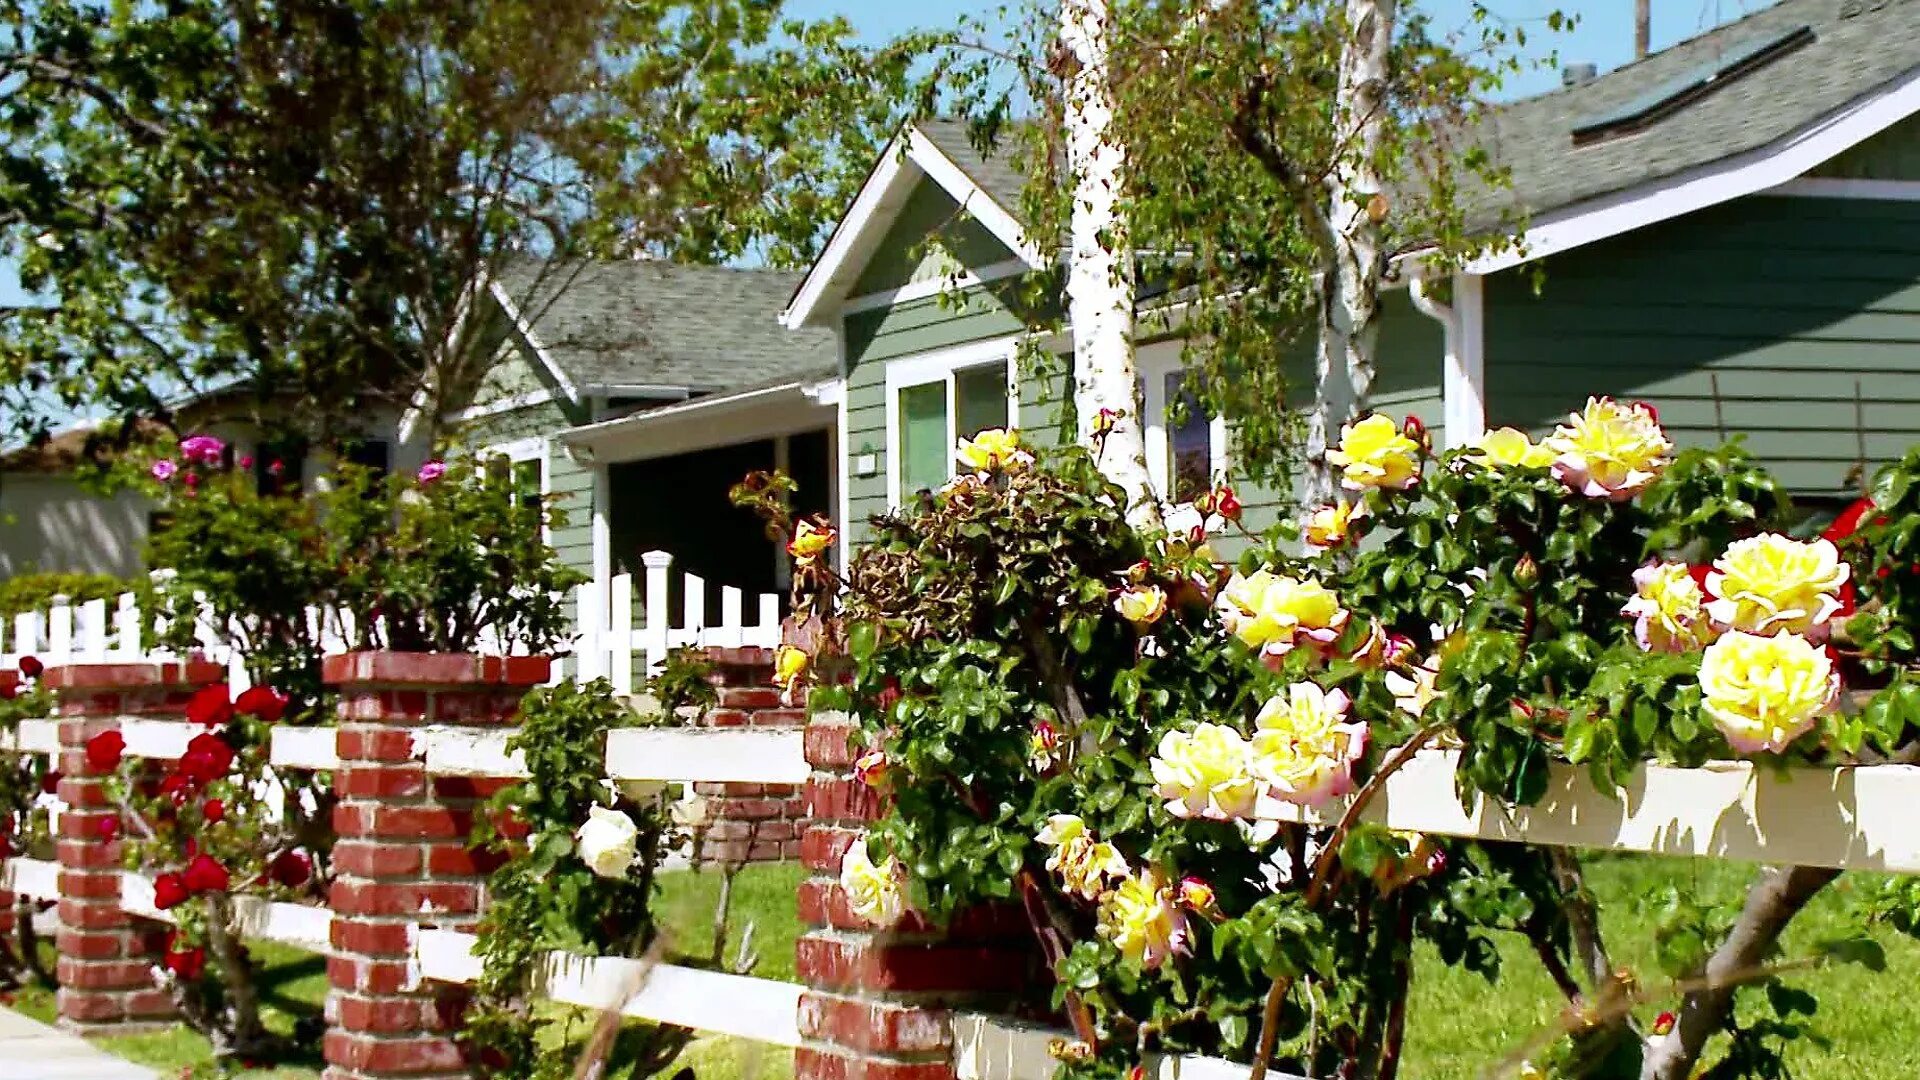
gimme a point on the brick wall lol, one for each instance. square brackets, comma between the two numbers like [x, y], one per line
[750, 822]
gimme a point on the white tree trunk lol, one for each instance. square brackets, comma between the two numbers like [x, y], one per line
[1349, 309]
[1100, 271]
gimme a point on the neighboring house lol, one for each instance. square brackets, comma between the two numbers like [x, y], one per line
[637, 392]
[1729, 229]
[50, 521]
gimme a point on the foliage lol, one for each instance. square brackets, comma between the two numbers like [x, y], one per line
[1147, 750]
[544, 898]
[25, 826]
[35, 592]
[204, 828]
[1243, 98]
[301, 194]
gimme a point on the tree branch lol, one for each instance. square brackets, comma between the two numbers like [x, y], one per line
[1251, 135]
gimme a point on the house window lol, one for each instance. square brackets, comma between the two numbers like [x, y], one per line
[279, 466]
[521, 465]
[936, 400]
[1186, 448]
[374, 455]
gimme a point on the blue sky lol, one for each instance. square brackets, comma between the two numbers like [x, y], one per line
[1604, 35]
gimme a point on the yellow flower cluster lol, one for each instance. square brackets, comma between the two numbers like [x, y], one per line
[1332, 526]
[1304, 747]
[1509, 448]
[811, 540]
[1669, 609]
[1203, 773]
[1142, 919]
[1770, 582]
[1142, 605]
[1609, 450]
[1271, 613]
[1765, 692]
[873, 891]
[993, 450]
[1085, 865]
[1375, 453]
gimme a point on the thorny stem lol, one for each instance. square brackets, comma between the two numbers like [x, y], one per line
[1322, 872]
[1582, 919]
[1397, 1014]
[1053, 943]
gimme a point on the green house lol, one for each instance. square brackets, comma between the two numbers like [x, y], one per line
[1729, 229]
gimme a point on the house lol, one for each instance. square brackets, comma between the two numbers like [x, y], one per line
[1729, 229]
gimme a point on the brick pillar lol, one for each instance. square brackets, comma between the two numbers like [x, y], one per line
[401, 855]
[750, 822]
[106, 956]
[876, 1007]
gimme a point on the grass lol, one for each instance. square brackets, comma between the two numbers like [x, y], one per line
[1458, 1023]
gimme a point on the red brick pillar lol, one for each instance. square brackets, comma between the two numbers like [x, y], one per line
[106, 956]
[876, 1004]
[749, 822]
[401, 857]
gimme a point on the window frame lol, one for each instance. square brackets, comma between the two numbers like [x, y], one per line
[1154, 361]
[942, 366]
[516, 451]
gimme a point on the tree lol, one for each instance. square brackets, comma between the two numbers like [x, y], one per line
[307, 194]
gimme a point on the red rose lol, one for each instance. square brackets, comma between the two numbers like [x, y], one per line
[1417, 431]
[205, 874]
[1849, 521]
[1699, 572]
[207, 759]
[31, 667]
[169, 891]
[176, 786]
[292, 869]
[108, 828]
[9, 691]
[50, 784]
[187, 964]
[263, 702]
[1663, 1023]
[6, 847]
[212, 706]
[214, 811]
[104, 751]
[1227, 504]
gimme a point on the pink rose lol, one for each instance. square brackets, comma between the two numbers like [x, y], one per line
[164, 470]
[204, 449]
[431, 471]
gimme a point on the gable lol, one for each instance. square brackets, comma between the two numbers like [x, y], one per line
[931, 238]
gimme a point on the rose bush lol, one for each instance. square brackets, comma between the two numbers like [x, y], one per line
[25, 782]
[1123, 733]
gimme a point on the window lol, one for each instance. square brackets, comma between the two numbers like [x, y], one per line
[373, 455]
[279, 466]
[521, 465]
[936, 400]
[1186, 449]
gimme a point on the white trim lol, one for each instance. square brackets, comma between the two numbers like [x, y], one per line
[1833, 187]
[588, 434]
[1154, 361]
[520, 323]
[496, 407]
[1716, 182]
[527, 449]
[906, 160]
[920, 290]
[718, 755]
[843, 453]
[1463, 355]
[936, 366]
[602, 526]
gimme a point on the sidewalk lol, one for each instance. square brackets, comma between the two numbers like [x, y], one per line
[30, 1050]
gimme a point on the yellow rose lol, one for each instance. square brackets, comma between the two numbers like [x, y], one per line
[1509, 448]
[993, 450]
[811, 539]
[1609, 450]
[1765, 692]
[1303, 747]
[870, 769]
[873, 891]
[1332, 526]
[1769, 582]
[1143, 921]
[1271, 613]
[1142, 605]
[1203, 774]
[1375, 453]
[790, 665]
[1084, 864]
[1668, 609]
[1415, 689]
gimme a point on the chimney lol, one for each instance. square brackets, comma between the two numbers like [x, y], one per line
[1642, 28]
[1577, 73]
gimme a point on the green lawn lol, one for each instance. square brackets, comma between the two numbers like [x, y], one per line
[1458, 1023]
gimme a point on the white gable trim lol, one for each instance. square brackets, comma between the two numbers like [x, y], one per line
[1714, 183]
[905, 162]
[920, 290]
[526, 333]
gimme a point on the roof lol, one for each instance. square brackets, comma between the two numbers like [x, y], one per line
[608, 325]
[64, 451]
[996, 170]
[1855, 49]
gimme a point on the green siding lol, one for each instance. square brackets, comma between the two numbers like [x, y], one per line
[1894, 154]
[931, 238]
[1793, 320]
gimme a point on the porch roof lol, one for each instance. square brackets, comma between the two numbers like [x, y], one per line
[783, 406]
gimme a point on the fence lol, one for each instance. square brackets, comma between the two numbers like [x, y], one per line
[620, 633]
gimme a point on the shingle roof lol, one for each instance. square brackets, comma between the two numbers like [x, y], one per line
[649, 323]
[1856, 49]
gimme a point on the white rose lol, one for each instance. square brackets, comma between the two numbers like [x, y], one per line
[873, 890]
[608, 842]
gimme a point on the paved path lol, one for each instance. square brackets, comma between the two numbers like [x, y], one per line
[30, 1050]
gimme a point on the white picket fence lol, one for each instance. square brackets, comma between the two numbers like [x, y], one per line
[620, 633]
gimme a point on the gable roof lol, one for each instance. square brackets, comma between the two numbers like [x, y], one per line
[642, 327]
[1853, 73]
